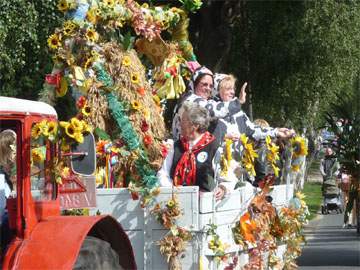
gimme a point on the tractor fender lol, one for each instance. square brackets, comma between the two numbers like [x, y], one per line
[56, 241]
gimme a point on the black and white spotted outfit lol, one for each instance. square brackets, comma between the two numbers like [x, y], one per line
[217, 109]
[240, 123]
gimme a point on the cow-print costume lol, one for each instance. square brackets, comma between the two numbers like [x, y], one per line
[217, 109]
[218, 77]
[240, 123]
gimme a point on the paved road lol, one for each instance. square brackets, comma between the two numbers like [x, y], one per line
[329, 246]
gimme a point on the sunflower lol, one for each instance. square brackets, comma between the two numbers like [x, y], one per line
[68, 31]
[91, 15]
[249, 155]
[70, 131]
[248, 165]
[126, 61]
[299, 147]
[79, 137]
[86, 110]
[76, 123]
[91, 35]
[36, 131]
[135, 78]
[37, 156]
[136, 105]
[272, 154]
[109, 3]
[52, 128]
[54, 41]
[70, 24]
[44, 128]
[63, 6]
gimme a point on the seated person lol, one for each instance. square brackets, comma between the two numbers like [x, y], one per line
[7, 180]
[200, 89]
[190, 160]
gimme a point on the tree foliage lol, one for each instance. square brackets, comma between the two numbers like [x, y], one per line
[297, 56]
[24, 28]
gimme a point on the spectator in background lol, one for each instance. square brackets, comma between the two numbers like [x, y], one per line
[329, 166]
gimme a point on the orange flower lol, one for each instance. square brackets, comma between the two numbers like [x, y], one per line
[248, 227]
[141, 91]
[100, 147]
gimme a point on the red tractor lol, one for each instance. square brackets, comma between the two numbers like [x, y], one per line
[41, 237]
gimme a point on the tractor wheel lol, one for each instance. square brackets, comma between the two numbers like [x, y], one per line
[96, 254]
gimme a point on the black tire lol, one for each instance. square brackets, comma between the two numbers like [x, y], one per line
[322, 210]
[96, 254]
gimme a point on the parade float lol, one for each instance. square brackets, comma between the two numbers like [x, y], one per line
[120, 62]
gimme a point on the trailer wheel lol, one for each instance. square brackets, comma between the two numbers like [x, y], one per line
[96, 254]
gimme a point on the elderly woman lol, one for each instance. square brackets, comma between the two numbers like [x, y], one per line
[190, 160]
[201, 88]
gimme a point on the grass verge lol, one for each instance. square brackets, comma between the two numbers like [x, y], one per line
[313, 197]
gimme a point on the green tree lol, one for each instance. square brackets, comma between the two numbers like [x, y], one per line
[24, 59]
[297, 56]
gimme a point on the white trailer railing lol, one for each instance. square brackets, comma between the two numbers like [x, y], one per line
[199, 209]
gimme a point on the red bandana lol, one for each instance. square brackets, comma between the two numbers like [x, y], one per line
[185, 171]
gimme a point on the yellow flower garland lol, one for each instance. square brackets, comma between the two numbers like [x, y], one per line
[249, 155]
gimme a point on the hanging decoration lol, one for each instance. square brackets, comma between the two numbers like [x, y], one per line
[299, 152]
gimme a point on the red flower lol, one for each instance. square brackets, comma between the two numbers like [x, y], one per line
[53, 79]
[148, 140]
[164, 150]
[81, 102]
[144, 126]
